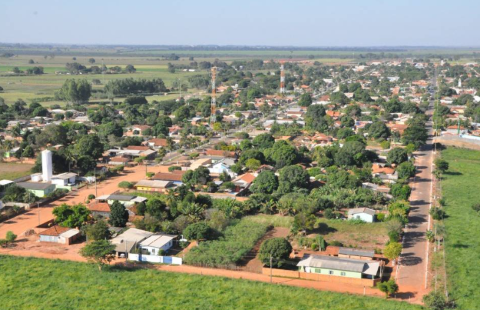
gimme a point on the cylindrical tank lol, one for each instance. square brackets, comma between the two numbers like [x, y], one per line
[47, 166]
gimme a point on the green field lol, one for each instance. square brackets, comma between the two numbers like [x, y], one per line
[460, 188]
[40, 284]
[10, 171]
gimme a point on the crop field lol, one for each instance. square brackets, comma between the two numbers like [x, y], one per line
[9, 171]
[460, 188]
[40, 284]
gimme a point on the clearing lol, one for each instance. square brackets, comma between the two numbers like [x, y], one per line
[11, 171]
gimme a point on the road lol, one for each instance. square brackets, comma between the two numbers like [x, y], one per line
[413, 263]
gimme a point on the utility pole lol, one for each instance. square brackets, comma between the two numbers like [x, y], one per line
[38, 209]
[95, 176]
[271, 270]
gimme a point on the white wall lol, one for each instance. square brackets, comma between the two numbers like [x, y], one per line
[364, 217]
[155, 259]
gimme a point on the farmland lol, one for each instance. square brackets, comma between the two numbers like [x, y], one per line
[112, 289]
[460, 189]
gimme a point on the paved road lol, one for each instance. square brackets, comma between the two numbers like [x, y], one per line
[412, 269]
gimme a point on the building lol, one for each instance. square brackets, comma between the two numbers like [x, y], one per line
[364, 214]
[155, 244]
[356, 253]
[126, 200]
[126, 241]
[38, 189]
[153, 186]
[58, 234]
[175, 177]
[101, 209]
[337, 266]
[64, 180]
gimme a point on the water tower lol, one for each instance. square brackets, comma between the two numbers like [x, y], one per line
[47, 166]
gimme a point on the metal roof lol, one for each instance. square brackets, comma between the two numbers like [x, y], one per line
[356, 252]
[5, 182]
[342, 264]
[35, 186]
[157, 241]
[361, 210]
[132, 235]
[154, 183]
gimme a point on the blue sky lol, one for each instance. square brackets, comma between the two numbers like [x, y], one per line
[245, 22]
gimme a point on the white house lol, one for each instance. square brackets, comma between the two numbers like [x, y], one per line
[156, 243]
[364, 214]
[64, 179]
[59, 234]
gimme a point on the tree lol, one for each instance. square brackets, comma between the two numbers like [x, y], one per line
[305, 100]
[415, 134]
[292, 178]
[91, 60]
[278, 249]
[265, 183]
[378, 130]
[76, 92]
[100, 252]
[388, 287]
[315, 118]
[157, 208]
[400, 191]
[263, 141]
[118, 214]
[441, 164]
[71, 216]
[28, 152]
[198, 231]
[10, 237]
[303, 222]
[98, 231]
[397, 156]
[89, 145]
[130, 69]
[406, 170]
[252, 164]
[393, 250]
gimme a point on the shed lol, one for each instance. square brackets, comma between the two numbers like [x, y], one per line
[336, 266]
[58, 234]
[364, 214]
[356, 253]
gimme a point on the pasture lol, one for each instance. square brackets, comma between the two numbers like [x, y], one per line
[11, 171]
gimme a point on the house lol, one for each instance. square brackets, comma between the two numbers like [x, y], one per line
[175, 177]
[119, 161]
[153, 185]
[356, 253]
[38, 189]
[58, 234]
[364, 214]
[63, 180]
[156, 244]
[243, 181]
[217, 155]
[137, 130]
[386, 174]
[101, 209]
[126, 200]
[338, 266]
[157, 143]
[126, 241]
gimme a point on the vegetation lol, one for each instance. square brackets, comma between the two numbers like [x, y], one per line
[118, 214]
[100, 252]
[275, 251]
[71, 216]
[176, 291]
[237, 240]
[459, 188]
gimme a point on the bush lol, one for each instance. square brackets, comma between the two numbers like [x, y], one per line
[388, 287]
[278, 249]
[437, 213]
[198, 231]
[173, 168]
[329, 214]
[335, 243]
[91, 196]
[380, 217]
[435, 301]
[125, 185]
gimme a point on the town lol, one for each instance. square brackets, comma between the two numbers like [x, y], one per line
[281, 170]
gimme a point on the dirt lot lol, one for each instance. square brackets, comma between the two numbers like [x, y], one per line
[11, 171]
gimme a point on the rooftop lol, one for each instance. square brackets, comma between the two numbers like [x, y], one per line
[343, 264]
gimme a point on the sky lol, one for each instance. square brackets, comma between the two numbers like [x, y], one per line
[323, 23]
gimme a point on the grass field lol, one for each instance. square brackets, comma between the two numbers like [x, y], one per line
[12, 171]
[40, 284]
[460, 188]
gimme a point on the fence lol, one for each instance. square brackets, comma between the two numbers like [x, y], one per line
[318, 277]
[155, 259]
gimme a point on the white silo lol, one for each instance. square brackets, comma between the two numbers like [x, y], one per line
[47, 166]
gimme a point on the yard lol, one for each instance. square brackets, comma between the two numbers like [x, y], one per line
[69, 285]
[460, 189]
[359, 235]
[11, 171]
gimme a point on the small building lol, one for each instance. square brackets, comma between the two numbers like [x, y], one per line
[356, 253]
[126, 241]
[126, 200]
[99, 209]
[38, 189]
[364, 214]
[64, 180]
[337, 266]
[153, 186]
[154, 244]
[58, 234]
[175, 177]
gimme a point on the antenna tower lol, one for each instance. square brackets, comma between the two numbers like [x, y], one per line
[213, 103]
